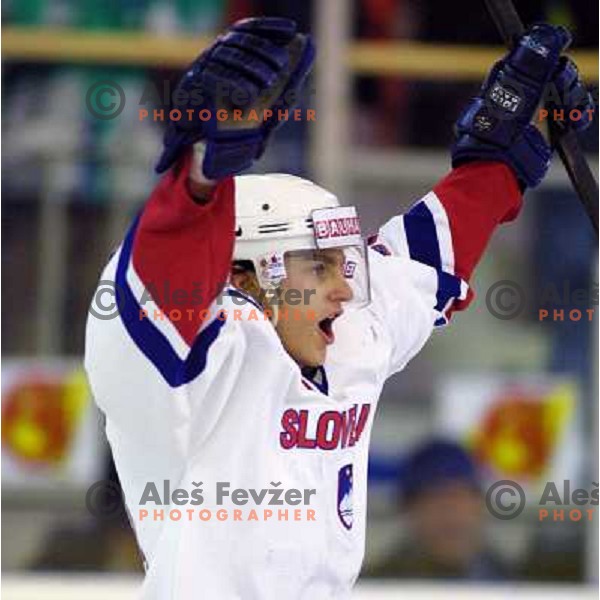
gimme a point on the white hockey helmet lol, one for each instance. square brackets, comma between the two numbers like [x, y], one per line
[277, 214]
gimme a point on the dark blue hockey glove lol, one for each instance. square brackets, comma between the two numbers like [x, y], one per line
[260, 64]
[496, 124]
[569, 101]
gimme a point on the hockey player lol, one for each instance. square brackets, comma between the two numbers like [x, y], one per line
[255, 330]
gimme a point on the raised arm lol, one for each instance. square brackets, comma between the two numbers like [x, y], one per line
[422, 261]
[498, 154]
[182, 244]
[176, 257]
[450, 227]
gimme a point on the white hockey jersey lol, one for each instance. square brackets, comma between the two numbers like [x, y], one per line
[213, 404]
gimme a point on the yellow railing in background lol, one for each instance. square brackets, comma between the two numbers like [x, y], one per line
[441, 61]
[99, 47]
[414, 60]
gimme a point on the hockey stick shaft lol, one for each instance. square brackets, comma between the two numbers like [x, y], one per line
[565, 140]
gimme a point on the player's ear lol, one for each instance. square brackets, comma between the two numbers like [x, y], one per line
[239, 279]
[245, 279]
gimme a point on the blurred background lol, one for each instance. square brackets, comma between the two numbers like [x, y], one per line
[488, 399]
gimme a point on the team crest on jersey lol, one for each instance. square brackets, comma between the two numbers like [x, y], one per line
[345, 489]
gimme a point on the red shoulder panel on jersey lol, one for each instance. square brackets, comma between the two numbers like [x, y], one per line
[477, 197]
[183, 250]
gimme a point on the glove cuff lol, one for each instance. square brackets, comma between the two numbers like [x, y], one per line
[228, 153]
[483, 135]
[528, 156]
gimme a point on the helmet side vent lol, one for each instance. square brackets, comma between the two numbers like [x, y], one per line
[274, 228]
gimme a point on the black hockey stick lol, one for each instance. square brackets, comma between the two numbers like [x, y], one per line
[564, 139]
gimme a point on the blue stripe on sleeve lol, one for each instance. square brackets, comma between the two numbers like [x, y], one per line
[151, 342]
[448, 287]
[422, 237]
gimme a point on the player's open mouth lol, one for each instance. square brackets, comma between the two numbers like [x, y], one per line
[326, 327]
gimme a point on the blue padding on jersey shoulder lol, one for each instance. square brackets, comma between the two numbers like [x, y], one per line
[421, 236]
[151, 342]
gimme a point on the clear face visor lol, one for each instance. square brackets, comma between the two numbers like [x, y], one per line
[338, 269]
[340, 273]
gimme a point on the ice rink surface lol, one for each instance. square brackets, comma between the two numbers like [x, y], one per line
[76, 587]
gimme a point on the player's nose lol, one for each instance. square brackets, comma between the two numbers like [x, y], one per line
[341, 290]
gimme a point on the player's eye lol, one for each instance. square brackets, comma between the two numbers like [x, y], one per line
[319, 269]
